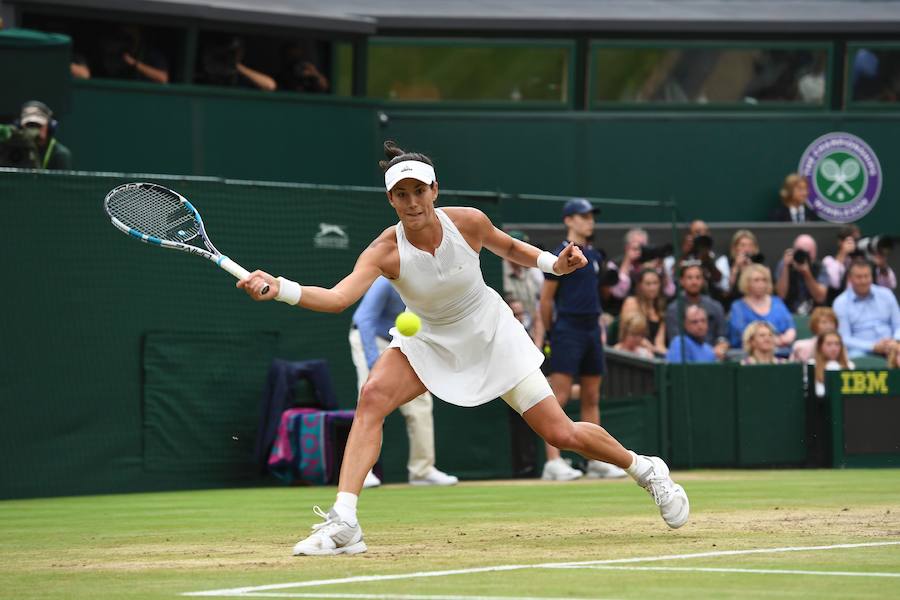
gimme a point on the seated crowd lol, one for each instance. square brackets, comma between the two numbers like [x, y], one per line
[734, 308]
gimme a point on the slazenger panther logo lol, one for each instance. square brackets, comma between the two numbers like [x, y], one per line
[844, 177]
[331, 236]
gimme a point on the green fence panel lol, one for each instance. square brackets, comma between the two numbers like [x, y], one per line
[70, 375]
[702, 415]
[771, 415]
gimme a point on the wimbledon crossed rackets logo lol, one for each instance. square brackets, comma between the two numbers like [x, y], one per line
[844, 177]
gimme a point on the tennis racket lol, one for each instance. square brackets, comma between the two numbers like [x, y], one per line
[157, 215]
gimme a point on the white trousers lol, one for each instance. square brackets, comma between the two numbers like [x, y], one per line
[417, 412]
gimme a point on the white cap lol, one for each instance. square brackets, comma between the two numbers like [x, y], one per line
[409, 169]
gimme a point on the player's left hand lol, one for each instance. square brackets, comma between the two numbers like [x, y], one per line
[570, 258]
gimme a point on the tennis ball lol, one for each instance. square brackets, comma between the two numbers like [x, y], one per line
[408, 323]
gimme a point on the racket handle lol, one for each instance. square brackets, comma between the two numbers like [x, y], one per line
[237, 270]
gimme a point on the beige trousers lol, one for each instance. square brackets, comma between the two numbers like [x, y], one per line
[417, 412]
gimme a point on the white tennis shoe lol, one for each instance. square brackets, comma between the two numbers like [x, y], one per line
[371, 480]
[331, 537]
[434, 477]
[559, 470]
[669, 496]
[603, 470]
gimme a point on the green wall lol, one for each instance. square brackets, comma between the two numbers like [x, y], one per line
[129, 367]
[717, 166]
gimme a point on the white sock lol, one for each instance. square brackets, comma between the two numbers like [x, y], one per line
[639, 465]
[345, 507]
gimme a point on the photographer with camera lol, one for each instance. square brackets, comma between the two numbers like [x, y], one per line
[299, 73]
[744, 251]
[222, 63]
[29, 143]
[800, 279]
[125, 55]
[877, 249]
[697, 244]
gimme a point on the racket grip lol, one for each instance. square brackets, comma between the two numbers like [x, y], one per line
[237, 270]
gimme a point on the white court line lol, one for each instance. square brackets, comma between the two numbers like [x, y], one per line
[418, 575]
[389, 596]
[736, 570]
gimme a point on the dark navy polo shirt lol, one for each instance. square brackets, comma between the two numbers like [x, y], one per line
[578, 294]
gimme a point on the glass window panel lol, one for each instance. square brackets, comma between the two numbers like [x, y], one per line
[468, 71]
[709, 75]
[874, 75]
[343, 69]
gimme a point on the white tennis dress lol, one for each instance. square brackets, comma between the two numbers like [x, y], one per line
[470, 349]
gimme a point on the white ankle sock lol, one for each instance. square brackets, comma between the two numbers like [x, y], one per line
[345, 507]
[639, 465]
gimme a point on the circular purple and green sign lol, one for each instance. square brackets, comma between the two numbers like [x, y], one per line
[844, 177]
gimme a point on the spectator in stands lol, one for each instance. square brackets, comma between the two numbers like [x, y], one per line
[299, 73]
[31, 143]
[633, 336]
[648, 302]
[630, 265]
[893, 357]
[794, 193]
[691, 279]
[744, 250]
[223, 64]
[877, 249]
[822, 320]
[369, 337]
[758, 304]
[518, 310]
[759, 341]
[125, 55]
[830, 356]
[868, 315]
[800, 279]
[691, 346]
[836, 266]
[524, 285]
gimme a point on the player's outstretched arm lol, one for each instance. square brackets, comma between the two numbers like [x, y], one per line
[334, 300]
[500, 243]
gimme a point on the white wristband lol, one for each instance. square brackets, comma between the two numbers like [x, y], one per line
[288, 291]
[545, 262]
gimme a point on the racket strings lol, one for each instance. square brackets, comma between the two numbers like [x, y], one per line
[154, 213]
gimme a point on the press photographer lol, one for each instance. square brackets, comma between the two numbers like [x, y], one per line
[29, 142]
[800, 279]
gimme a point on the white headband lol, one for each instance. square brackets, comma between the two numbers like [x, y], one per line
[414, 169]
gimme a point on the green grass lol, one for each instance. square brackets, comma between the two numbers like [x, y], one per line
[161, 545]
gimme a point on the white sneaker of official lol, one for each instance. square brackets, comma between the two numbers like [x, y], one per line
[602, 470]
[670, 497]
[434, 477]
[371, 480]
[331, 537]
[559, 470]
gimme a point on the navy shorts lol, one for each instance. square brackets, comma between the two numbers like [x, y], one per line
[575, 347]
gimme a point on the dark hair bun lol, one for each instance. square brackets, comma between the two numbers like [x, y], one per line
[396, 154]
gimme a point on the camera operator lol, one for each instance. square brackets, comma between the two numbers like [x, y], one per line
[124, 55]
[697, 245]
[878, 249]
[223, 64]
[800, 279]
[299, 73]
[29, 143]
[836, 266]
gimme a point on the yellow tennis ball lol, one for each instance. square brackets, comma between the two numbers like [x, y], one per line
[408, 323]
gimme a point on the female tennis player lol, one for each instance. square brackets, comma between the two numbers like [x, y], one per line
[469, 350]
